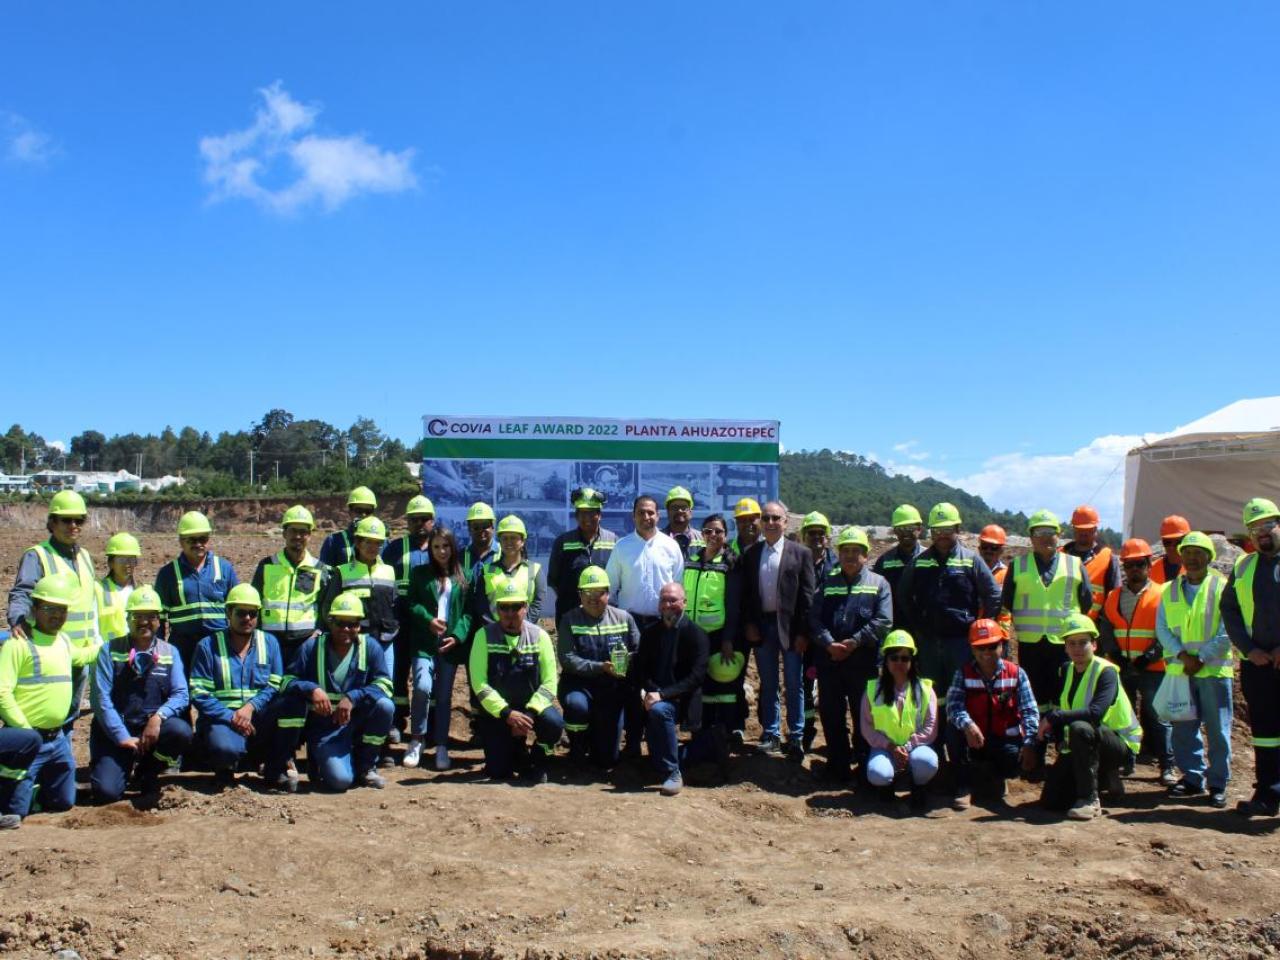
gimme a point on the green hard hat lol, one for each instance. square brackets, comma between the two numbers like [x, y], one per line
[722, 672]
[1077, 622]
[61, 589]
[123, 545]
[193, 523]
[347, 605]
[1044, 518]
[898, 640]
[815, 519]
[1260, 508]
[944, 515]
[480, 511]
[679, 493]
[371, 528]
[420, 506]
[1197, 539]
[593, 578]
[298, 516]
[143, 599]
[587, 498]
[855, 536]
[67, 503]
[362, 497]
[511, 593]
[906, 516]
[244, 595]
[512, 524]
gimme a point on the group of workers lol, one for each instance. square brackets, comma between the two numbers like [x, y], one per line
[905, 661]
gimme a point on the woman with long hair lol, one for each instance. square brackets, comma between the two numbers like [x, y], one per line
[437, 619]
[900, 721]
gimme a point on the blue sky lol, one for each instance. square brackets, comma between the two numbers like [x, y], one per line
[974, 240]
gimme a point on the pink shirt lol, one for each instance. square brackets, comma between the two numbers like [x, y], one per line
[926, 726]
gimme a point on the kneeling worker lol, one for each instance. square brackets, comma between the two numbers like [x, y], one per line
[513, 674]
[1098, 734]
[36, 695]
[596, 643]
[140, 704]
[343, 692]
[992, 718]
[900, 721]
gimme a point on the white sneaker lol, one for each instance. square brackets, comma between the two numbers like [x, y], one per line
[1085, 810]
[413, 755]
[442, 758]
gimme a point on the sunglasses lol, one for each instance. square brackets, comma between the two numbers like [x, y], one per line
[1135, 564]
[899, 658]
[712, 532]
[247, 614]
[1265, 526]
[345, 625]
[74, 521]
[773, 518]
[195, 540]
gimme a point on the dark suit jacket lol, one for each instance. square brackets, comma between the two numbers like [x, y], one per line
[690, 667]
[795, 589]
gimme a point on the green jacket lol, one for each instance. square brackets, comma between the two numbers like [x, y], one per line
[423, 599]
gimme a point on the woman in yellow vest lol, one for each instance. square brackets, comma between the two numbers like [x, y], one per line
[1097, 733]
[900, 721]
[123, 551]
[1195, 644]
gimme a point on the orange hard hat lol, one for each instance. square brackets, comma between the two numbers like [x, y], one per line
[984, 632]
[1174, 527]
[994, 533]
[1084, 517]
[1135, 549]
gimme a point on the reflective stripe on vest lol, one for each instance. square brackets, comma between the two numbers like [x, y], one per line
[704, 586]
[1119, 716]
[322, 674]
[1135, 637]
[236, 697]
[1038, 610]
[82, 615]
[900, 728]
[1197, 622]
[201, 609]
[1096, 570]
[1245, 568]
[285, 608]
[37, 675]
[525, 576]
[113, 620]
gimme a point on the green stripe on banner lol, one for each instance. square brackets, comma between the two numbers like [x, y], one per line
[448, 448]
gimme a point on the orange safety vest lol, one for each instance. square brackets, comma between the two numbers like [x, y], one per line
[1006, 618]
[1096, 569]
[1138, 635]
[1158, 572]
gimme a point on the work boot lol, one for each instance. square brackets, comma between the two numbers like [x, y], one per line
[393, 735]
[223, 780]
[283, 784]
[961, 801]
[1114, 785]
[373, 779]
[737, 741]
[10, 821]
[770, 746]
[1168, 776]
[1085, 810]
[919, 801]
[1185, 788]
[1263, 803]
[672, 785]
[1218, 798]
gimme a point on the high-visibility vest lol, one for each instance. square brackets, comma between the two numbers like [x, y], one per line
[198, 609]
[1160, 570]
[998, 574]
[993, 704]
[403, 567]
[286, 607]
[81, 627]
[1119, 716]
[1135, 637]
[1246, 566]
[1196, 622]
[704, 587]
[1096, 569]
[113, 620]
[525, 576]
[1039, 610]
[233, 698]
[900, 727]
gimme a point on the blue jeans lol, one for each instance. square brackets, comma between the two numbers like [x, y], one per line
[1212, 696]
[442, 700]
[922, 763]
[53, 771]
[338, 753]
[1157, 736]
[593, 715]
[225, 748]
[111, 764]
[767, 655]
[18, 750]
[660, 733]
[424, 670]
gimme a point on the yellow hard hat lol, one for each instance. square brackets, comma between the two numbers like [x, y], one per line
[362, 497]
[898, 640]
[299, 516]
[593, 578]
[1076, 622]
[67, 503]
[143, 599]
[854, 536]
[420, 506]
[244, 595]
[511, 524]
[60, 589]
[746, 507]
[371, 528]
[123, 545]
[193, 523]
[347, 605]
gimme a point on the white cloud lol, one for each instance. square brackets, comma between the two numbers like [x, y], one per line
[326, 170]
[22, 142]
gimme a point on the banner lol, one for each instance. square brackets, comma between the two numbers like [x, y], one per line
[529, 465]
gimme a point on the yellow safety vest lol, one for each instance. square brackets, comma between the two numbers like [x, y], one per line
[1039, 610]
[82, 616]
[1119, 716]
[113, 621]
[900, 727]
[1196, 622]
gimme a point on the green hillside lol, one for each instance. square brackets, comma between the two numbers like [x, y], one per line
[852, 489]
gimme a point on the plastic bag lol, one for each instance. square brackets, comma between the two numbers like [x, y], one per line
[1173, 703]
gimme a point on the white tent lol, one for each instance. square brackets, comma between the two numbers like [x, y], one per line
[1205, 470]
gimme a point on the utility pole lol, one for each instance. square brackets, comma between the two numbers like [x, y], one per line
[251, 468]
[139, 466]
[277, 471]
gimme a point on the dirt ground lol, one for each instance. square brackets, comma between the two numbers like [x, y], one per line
[770, 865]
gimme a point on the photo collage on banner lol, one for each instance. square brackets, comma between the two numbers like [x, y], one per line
[529, 466]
